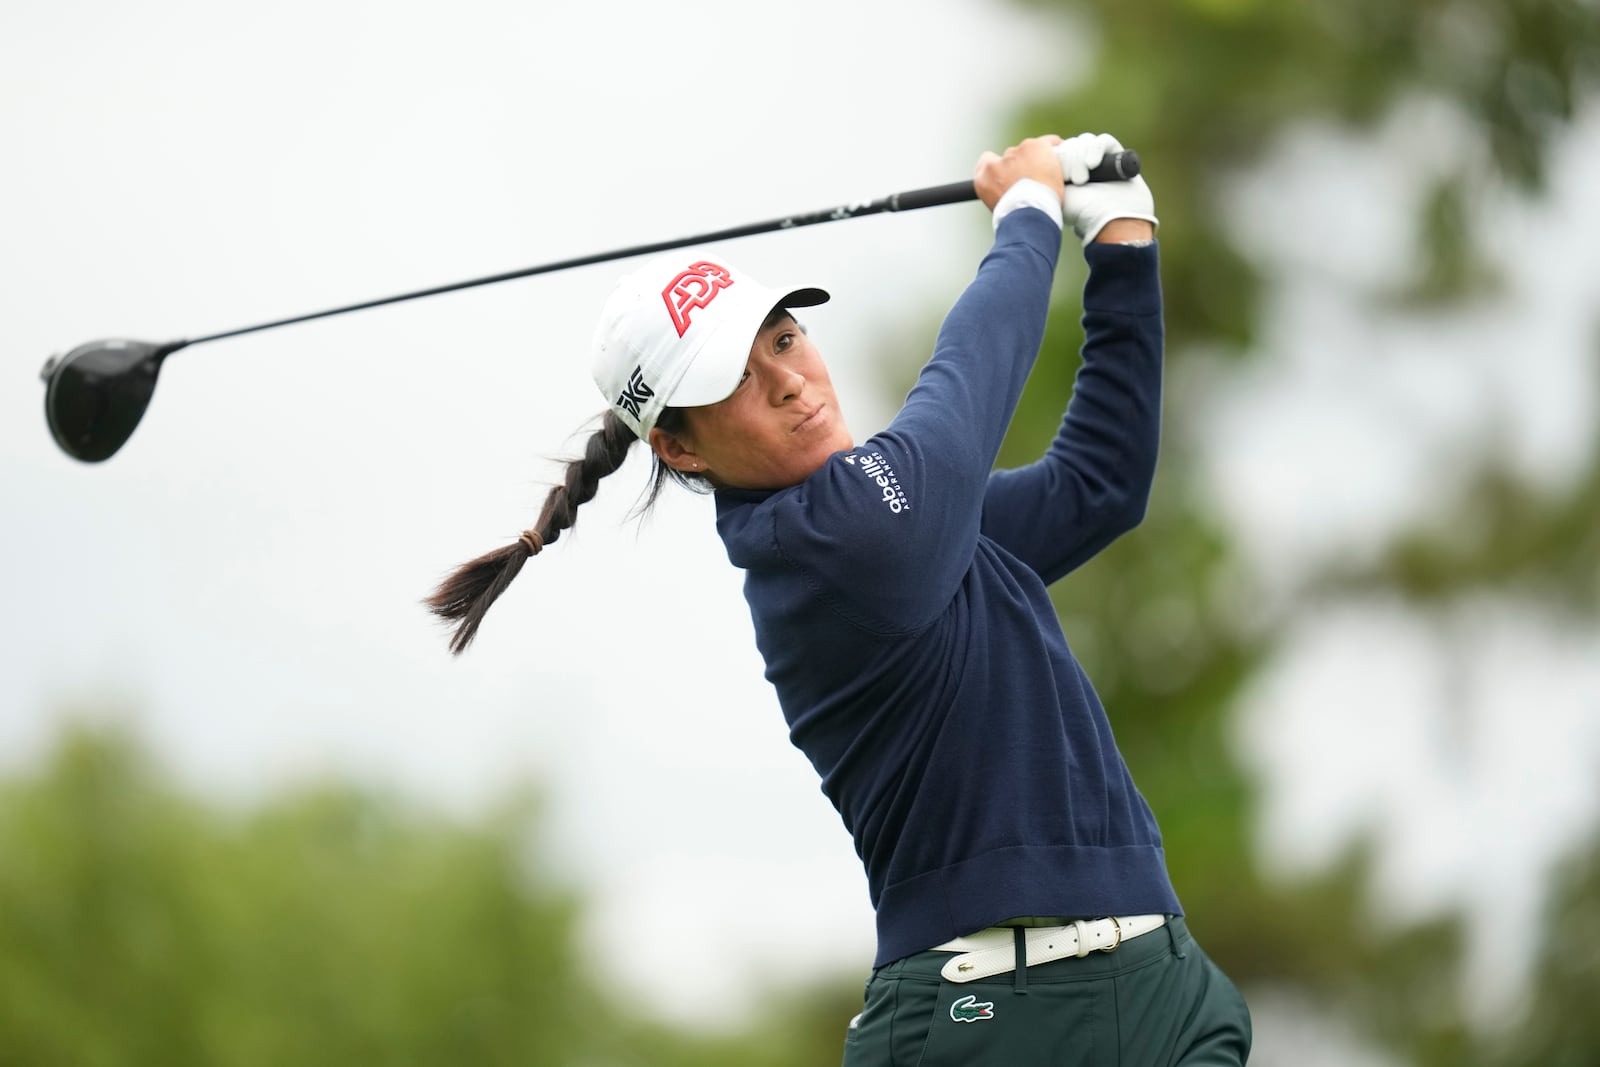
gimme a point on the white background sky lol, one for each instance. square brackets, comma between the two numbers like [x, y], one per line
[242, 581]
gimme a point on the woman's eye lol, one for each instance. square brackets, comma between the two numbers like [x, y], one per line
[784, 341]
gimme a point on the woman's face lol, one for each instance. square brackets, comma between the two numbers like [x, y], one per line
[781, 422]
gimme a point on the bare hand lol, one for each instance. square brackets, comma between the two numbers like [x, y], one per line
[1034, 158]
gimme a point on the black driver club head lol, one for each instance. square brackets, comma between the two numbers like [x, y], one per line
[96, 394]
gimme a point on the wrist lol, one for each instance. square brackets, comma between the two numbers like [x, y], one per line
[1029, 193]
[1126, 231]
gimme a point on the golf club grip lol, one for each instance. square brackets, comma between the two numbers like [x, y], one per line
[1116, 166]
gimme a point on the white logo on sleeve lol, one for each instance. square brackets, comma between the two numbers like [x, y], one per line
[881, 477]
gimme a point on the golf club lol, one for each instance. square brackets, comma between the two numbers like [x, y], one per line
[96, 394]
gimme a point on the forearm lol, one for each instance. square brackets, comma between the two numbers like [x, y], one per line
[965, 395]
[1126, 232]
[1092, 483]
[1110, 433]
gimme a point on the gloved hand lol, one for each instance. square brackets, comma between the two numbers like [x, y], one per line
[1090, 205]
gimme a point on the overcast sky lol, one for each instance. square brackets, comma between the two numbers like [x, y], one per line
[241, 582]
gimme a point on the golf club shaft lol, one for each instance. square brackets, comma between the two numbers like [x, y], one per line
[1117, 166]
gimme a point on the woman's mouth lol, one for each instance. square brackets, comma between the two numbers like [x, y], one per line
[811, 420]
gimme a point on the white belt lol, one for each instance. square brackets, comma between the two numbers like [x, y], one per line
[994, 951]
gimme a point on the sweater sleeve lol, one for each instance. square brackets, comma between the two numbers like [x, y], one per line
[1092, 483]
[886, 531]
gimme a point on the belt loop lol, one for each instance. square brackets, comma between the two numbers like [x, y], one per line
[1080, 928]
[1172, 939]
[1019, 937]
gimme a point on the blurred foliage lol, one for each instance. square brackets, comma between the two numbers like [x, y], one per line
[1165, 620]
[1505, 535]
[1562, 1027]
[141, 926]
[1203, 88]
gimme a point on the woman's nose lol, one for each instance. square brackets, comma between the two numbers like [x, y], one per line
[787, 383]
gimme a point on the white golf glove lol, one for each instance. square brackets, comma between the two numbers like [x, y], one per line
[1090, 205]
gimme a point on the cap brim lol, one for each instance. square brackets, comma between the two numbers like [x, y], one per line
[719, 364]
[806, 297]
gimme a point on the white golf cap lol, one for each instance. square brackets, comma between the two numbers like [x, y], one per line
[677, 332]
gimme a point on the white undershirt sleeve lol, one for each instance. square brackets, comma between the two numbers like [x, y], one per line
[1026, 192]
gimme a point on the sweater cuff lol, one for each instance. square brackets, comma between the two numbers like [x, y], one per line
[1123, 278]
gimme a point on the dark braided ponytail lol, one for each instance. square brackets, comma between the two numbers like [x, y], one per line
[465, 596]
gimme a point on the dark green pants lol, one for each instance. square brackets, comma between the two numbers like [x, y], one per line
[1157, 1001]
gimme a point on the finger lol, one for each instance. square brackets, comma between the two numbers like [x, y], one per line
[1073, 169]
[1094, 149]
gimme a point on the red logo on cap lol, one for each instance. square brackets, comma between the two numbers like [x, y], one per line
[694, 288]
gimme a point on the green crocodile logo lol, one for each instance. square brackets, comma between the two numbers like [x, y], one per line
[969, 1010]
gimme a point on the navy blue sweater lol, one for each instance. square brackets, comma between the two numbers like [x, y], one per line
[899, 601]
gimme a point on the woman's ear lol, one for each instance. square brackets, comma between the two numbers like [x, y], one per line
[672, 451]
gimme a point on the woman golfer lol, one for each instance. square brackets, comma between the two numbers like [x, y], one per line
[1024, 913]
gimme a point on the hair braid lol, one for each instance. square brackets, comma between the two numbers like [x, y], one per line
[603, 453]
[465, 596]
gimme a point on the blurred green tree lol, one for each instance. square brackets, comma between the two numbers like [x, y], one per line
[140, 926]
[1165, 620]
